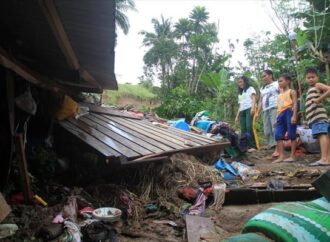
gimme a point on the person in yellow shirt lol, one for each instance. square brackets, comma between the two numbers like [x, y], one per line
[286, 121]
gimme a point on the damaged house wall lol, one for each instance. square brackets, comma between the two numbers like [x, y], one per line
[69, 53]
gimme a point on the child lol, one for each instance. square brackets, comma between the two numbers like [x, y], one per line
[286, 118]
[316, 115]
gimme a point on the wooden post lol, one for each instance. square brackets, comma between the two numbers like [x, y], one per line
[28, 196]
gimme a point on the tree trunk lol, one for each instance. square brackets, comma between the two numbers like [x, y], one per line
[327, 72]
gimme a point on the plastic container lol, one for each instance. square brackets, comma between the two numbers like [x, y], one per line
[107, 214]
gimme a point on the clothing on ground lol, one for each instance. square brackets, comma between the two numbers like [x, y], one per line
[269, 95]
[245, 99]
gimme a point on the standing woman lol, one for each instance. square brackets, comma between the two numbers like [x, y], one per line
[268, 104]
[247, 104]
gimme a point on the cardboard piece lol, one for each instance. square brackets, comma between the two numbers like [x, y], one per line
[4, 208]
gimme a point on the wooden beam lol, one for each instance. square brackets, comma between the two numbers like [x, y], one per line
[80, 87]
[11, 63]
[22, 164]
[54, 20]
[202, 149]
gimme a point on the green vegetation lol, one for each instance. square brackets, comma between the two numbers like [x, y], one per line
[194, 75]
[138, 92]
[122, 7]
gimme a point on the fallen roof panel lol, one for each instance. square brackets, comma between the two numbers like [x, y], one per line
[136, 140]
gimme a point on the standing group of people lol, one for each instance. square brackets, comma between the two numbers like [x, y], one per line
[279, 105]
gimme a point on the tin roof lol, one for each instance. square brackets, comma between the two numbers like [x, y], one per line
[69, 42]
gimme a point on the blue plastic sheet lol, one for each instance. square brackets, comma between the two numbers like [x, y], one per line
[222, 165]
[180, 124]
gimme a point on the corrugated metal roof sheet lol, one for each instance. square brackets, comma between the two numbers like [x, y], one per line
[26, 34]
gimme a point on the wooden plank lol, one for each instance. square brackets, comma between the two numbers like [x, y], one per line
[9, 62]
[122, 149]
[126, 134]
[4, 208]
[22, 165]
[173, 133]
[156, 139]
[104, 110]
[127, 129]
[170, 133]
[193, 150]
[197, 227]
[90, 140]
[189, 134]
[176, 142]
[123, 140]
[50, 11]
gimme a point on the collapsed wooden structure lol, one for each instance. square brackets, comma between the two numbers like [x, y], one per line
[131, 140]
[57, 47]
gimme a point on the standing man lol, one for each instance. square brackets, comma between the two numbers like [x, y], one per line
[268, 104]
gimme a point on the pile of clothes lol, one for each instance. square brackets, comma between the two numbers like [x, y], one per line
[239, 143]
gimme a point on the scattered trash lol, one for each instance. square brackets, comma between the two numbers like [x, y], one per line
[275, 185]
[87, 212]
[17, 198]
[222, 165]
[58, 219]
[245, 171]
[40, 200]
[310, 144]
[69, 108]
[51, 231]
[198, 208]
[4, 208]
[107, 214]
[227, 176]
[169, 222]
[7, 230]
[99, 231]
[219, 192]
[151, 208]
[26, 102]
[72, 231]
[180, 124]
[205, 184]
[189, 194]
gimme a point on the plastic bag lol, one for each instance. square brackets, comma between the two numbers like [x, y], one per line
[26, 102]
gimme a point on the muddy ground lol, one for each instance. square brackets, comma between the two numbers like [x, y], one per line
[229, 220]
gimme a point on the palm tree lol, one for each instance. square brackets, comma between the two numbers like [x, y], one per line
[199, 17]
[162, 48]
[183, 29]
[122, 7]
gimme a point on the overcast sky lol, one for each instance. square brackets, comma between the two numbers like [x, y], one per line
[238, 19]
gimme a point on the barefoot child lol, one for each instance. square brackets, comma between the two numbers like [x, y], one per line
[316, 114]
[286, 118]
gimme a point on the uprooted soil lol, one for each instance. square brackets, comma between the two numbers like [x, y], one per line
[158, 184]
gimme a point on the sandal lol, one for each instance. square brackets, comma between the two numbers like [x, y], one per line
[319, 163]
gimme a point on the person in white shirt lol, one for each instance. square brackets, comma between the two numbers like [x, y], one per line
[247, 104]
[268, 104]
